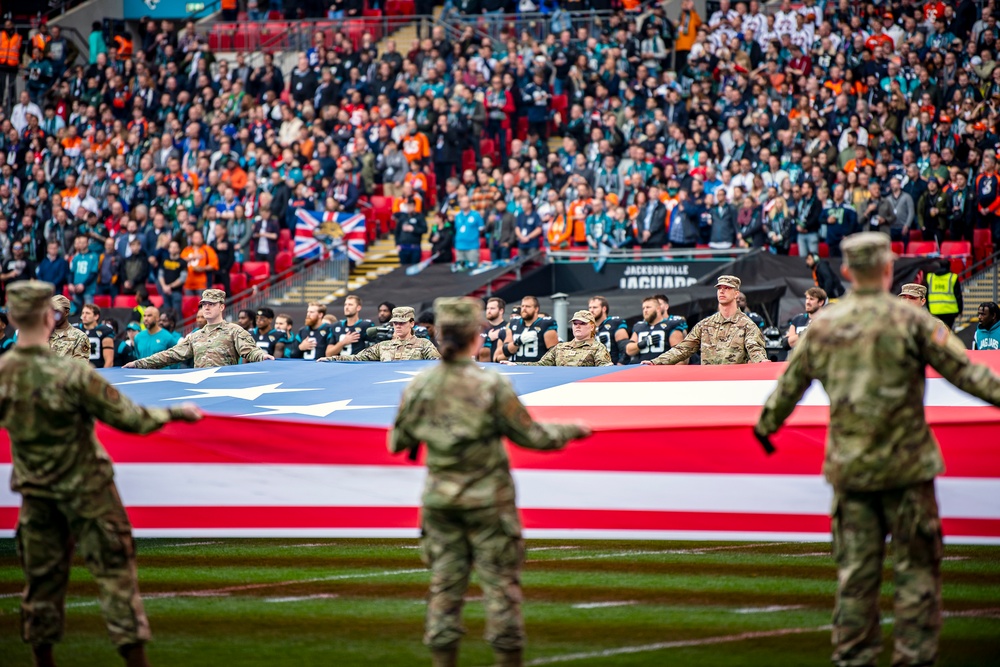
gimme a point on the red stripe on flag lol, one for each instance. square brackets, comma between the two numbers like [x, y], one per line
[201, 518]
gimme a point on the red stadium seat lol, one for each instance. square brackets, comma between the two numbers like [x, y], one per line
[282, 261]
[960, 254]
[285, 241]
[916, 235]
[897, 248]
[488, 148]
[982, 244]
[522, 128]
[124, 301]
[257, 272]
[102, 301]
[237, 282]
[189, 306]
[156, 301]
[793, 250]
[468, 159]
[922, 248]
[824, 249]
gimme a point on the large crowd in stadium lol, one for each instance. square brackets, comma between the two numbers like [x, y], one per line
[154, 169]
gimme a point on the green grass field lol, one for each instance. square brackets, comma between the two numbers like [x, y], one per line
[361, 602]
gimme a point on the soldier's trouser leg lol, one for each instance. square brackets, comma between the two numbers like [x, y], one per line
[859, 531]
[45, 549]
[104, 538]
[916, 553]
[498, 550]
[445, 550]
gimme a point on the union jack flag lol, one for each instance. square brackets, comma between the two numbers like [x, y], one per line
[318, 234]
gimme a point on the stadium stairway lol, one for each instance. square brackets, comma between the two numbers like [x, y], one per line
[380, 259]
[981, 286]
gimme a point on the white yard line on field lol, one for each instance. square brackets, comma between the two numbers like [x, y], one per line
[684, 643]
[694, 551]
[602, 605]
[765, 610]
[303, 598]
[181, 544]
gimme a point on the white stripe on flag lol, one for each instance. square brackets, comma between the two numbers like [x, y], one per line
[713, 393]
[258, 485]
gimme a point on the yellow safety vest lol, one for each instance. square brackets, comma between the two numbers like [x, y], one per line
[941, 294]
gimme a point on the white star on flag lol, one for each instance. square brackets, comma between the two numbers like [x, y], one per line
[190, 377]
[246, 393]
[315, 410]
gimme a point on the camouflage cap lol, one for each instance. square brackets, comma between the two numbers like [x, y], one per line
[914, 290]
[456, 312]
[403, 314]
[583, 316]
[729, 281]
[26, 297]
[866, 250]
[59, 302]
[213, 296]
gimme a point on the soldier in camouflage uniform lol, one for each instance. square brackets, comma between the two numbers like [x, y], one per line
[870, 352]
[218, 343]
[462, 413]
[728, 337]
[49, 404]
[67, 341]
[404, 346]
[583, 350]
[915, 293]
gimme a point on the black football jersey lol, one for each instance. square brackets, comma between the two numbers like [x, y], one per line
[323, 334]
[606, 331]
[532, 351]
[267, 341]
[96, 337]
[658, 334]
[492, 345]
[342, 328]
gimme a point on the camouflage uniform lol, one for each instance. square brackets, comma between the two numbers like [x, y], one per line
[589, 352]
[222, 344]
[68, 341]
[462, 412]
[869, 351]
[736, 340]
[411, 348]
[48, 405]
[397, 349]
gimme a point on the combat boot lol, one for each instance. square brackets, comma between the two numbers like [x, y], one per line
[444, 657]
[508, 658]
[135, 655]
[43, 655]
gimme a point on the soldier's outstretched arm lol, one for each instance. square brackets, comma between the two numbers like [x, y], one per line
[754, 341]
[946, 354]
[683, 350]
[791, 386]
[247, 348]
[178, 353]
[602, 357]
[102, 401]
[429, 351]
[400, 437]
[548, 359]
[515, 423]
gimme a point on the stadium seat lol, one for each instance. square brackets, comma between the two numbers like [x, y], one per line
[982, 244]
[488, 148]
[257, 272]
[102, 301]
[916, 235]
[156, 301]
[124, 301]
[381, 213]
[189, 306]
[960, 254]
[824, 249]
[522, 128]
[283, 261]
[237, 282]
[285, 240]
[922, 248]
[468, 160]
[897, 248]
[793, 250]
[484, 255]
[431, 192]
[152, 288]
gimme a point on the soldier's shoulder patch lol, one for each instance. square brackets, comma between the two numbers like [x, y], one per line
[111, 394]
[940, 336]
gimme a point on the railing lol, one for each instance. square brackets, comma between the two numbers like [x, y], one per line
[981, 265]
[294, 277]
[644, 255]
[81, 45]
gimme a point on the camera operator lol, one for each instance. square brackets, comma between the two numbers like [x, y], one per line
[404, 345]
[350, 333]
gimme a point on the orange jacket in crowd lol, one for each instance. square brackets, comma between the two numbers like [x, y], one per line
[199, 258]
[416, 147]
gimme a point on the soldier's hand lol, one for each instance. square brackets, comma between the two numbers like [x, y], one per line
[765, 442]
[130, 364]
[324, 359]
[190, 412]
[585, 431]
[646, 363]
[268, 357]
[507, 363]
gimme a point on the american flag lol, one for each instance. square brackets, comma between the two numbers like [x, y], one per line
[297, 449]
[317, 233]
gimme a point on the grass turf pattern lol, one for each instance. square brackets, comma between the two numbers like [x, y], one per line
[588, 603]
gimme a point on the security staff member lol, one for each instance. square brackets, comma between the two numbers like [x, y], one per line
[944, 294]
[10, 63]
